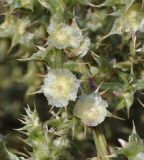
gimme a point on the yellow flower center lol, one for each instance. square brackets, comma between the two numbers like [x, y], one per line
[91, 114]
[61, 37]
[62, 86]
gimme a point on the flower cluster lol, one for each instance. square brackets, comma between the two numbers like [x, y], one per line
[63, 36]
[60, 86]
[91, 109]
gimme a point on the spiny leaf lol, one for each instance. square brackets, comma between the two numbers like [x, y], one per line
[128, 100]
[139, 84]
[134, 137]
[27, 4]
[112, 3]
[78, 66]
[56, 7]
[134, 146]
[126, 3]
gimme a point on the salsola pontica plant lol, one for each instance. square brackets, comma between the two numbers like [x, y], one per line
[85, 57]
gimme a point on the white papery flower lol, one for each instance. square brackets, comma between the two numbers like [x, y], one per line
[60, 86]
[63, 36]
[91, 109]
[139, 156]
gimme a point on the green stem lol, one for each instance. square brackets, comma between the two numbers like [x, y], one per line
[101, 144]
